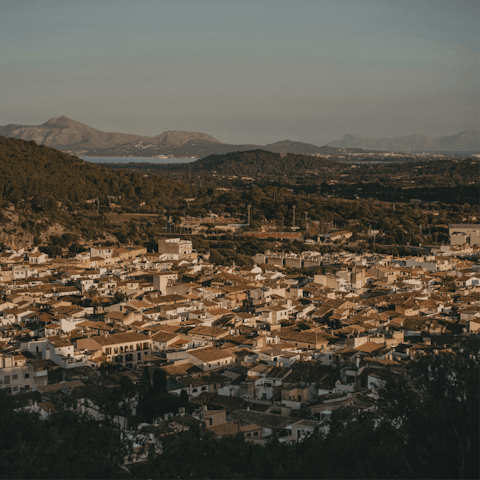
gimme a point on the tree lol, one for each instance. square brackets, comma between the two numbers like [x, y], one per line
[437, 415]
[159, 385]
[448, 281]
[119, 297]
[184, 399]
[28, 445]
[93, 295]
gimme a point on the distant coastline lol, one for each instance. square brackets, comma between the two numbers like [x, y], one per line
[133, 159]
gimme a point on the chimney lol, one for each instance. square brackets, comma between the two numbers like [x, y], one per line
[358, 362]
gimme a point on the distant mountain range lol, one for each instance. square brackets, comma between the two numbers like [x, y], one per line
[77, 138]
[74, 137]
[64, 132]
[466, 141]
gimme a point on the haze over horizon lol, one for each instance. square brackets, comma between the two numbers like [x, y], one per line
[253, 72]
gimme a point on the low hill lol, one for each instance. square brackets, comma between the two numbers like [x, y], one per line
[260, 162]
[289, 146]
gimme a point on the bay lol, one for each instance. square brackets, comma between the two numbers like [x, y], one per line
[158, 161]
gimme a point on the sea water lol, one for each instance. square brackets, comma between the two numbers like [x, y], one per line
[161, 161]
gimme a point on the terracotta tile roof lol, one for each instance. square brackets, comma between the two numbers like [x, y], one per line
[118, 338]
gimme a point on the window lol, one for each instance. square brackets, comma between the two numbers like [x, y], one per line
[108, 351]
[6, 380]
[139, 356]
[15, 377]
[15, 389]
[27, 375]
[204, 388]
[194, 390]
[255, 434]
[210, 420]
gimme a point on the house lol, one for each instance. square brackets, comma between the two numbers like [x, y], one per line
[161, 341]
[303, 429]
[461, 233]
[334, 236]
[207, 358]
[273, 314]
[251, 432]
[128, 349]
[16, 375]
[175, 248]
[211, 382]
[294, 396]
[37, 258]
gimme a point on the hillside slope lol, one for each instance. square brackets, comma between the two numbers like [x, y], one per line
[260, 162]
[30, 170]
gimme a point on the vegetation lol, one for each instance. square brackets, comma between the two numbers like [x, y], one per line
[66, 445]
[426, 427]
[50, 178]
[57, 201]
[260, 162]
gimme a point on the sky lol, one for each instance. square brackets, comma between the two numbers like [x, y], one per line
[243, 71]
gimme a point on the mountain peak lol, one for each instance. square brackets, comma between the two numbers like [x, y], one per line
[61, 122]
[172, 137]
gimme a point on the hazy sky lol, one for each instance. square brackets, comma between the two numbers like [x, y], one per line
[243, 71]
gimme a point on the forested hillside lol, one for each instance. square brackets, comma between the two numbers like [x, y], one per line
[46, 194]
[31, 171]
[260, 162]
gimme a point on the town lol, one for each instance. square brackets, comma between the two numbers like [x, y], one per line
[251, 350]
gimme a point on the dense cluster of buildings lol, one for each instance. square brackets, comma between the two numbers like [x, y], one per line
[258, 351]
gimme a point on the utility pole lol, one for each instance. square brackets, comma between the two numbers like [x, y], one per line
[248, 208]
[294, 216]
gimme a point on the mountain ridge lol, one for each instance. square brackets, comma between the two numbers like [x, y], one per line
[65, 132]
[467, 140]
[77, 138]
